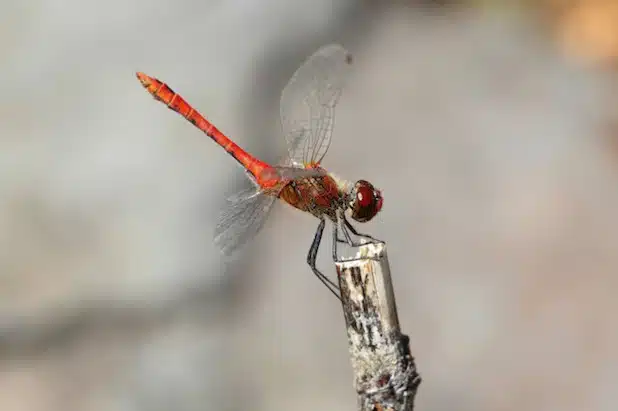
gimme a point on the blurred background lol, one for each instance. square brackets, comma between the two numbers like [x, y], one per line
[490, 126]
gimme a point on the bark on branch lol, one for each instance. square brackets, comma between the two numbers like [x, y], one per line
[385, 374]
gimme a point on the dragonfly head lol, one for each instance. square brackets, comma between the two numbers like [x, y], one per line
[365, 201]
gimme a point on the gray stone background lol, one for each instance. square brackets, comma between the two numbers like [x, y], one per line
[490, 147]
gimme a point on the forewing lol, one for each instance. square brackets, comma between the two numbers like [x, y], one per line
[242, 219]
[293, 173]
[308, 103]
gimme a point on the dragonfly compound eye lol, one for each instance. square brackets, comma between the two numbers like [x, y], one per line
[366, 201]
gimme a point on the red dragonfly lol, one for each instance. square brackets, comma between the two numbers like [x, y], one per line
[307, 117]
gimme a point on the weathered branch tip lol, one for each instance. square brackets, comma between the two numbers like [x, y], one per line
[384, 370]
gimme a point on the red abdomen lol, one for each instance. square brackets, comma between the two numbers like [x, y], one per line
[174, 101]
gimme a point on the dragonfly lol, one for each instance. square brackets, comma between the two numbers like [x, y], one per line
[307, 108]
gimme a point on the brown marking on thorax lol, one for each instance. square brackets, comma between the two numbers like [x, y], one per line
[316, 195]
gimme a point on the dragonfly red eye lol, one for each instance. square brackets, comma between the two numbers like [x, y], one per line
[379, 200]
[364, 196]
[366, 201]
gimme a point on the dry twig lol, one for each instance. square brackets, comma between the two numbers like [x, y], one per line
[384, 369]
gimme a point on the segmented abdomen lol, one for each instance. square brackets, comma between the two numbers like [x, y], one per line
[162, 92]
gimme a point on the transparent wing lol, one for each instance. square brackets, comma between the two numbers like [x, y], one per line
[308, 103]
[246, 211]
[242, 219]
[293, 173]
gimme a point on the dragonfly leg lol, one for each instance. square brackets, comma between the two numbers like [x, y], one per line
[356, 233]
[346, 228]
[336, 240]
[348, 238]
[312, 255]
